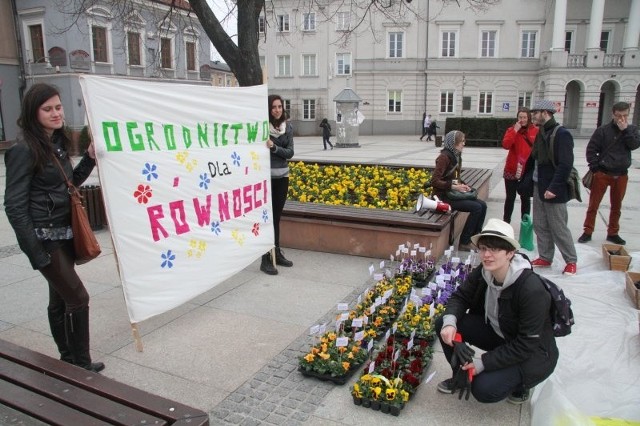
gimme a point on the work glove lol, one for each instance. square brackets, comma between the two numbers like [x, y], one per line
[462, 380]
[462, 353]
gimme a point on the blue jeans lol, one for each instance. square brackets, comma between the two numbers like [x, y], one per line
[477, 211]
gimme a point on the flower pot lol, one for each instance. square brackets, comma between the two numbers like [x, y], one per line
[420, 283]
[357, 400]
[395, 410]
[375, 405]
[384, 407]
[366, 402]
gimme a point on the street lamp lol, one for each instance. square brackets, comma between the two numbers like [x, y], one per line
[464, 81]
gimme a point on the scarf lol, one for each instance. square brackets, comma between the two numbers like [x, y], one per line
[276, 132]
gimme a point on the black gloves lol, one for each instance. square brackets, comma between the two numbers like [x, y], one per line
[462, 354]
[462, 380]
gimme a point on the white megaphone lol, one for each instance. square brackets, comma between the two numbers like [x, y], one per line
[425, 203]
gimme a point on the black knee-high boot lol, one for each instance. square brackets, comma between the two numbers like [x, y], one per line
[56, 324]
[77, 328]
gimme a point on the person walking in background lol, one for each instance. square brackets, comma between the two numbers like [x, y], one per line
[326, 133]
[609, 158]
[280, 144]
[518, 139]
[38, 207]
[433, 129]
[551, 193]
[426, 122]
[446, 176]
[502, 307]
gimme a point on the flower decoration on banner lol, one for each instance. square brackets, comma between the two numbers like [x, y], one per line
[254, 158]
[149, 171]
[196, 248]
[238, 237]
[204, 181]
[215, 228]
[143, 193]
[167, 259]
[265, 215]
[256, 229]
[183, 159]
[357, 185]
[236, 158]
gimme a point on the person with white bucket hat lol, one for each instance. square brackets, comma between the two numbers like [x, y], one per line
[502, 308]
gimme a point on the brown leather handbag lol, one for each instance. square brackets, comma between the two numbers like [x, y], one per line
[85, 243]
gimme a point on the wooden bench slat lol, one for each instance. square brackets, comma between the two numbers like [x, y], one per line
[42, 408]
[72, 396]
[171, 411]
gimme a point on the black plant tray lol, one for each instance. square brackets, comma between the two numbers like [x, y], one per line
[338, 380]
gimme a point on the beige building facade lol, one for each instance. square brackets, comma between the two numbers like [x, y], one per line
[451, 61]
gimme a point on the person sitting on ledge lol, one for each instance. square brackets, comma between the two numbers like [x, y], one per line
[502, 308]
[446, 176]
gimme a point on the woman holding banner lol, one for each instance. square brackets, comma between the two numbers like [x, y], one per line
[38, 206]
[280, 145]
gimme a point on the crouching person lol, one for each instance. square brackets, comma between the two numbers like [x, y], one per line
[503, 309]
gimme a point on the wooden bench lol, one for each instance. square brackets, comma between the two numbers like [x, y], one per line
[373, 232]
[54, 392]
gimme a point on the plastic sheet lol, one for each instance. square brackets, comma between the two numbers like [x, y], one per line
[598, 373]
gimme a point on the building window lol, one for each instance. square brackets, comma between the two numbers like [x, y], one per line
[343, 62]
[604, 40]
[528, 48]
[524, 99]
[261, 24]
[395, 100]
[446, 101]
[448, 44]
[309, 22]
[99, 37]
[37, 43]
[488, 44]
[133, 48]
[284, 66]
[166, 55]
[308, 109]
[396, 45]
[191, 55]
[342, 21]
[287, 107]
[568, 41]
[283, 23]
[309, 65]
[485, 103]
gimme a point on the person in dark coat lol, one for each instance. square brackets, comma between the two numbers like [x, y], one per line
[551, 191]
[609, 158]
[502, 308]
[280, 144]
[38, 207]
[326, 133]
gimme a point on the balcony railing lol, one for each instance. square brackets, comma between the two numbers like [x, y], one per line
[613, 60]
[576, 61]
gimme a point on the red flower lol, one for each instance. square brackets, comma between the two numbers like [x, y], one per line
[411, 380]
[256, 229]
[143, 193]
[386, 372]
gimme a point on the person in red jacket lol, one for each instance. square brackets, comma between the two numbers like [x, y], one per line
[518, 139]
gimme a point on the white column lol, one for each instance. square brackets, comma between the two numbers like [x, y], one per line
[559, 22]
[595, 25]
[633, 27]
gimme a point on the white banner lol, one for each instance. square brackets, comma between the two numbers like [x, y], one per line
[185, 175]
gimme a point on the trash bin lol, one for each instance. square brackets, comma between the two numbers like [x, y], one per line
[438, 140]
[94, 206]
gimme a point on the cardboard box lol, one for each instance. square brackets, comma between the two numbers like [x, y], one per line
[632, 290]
[616, 262]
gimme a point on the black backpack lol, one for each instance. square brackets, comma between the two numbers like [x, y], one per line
[560, 311]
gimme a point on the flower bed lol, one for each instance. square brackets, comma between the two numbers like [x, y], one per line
[379, 187]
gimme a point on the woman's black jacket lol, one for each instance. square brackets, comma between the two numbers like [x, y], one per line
[39, 199]
[524, 319]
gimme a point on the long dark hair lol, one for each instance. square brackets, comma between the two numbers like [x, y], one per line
[33, 132]
[283, 117]
[526, 111]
